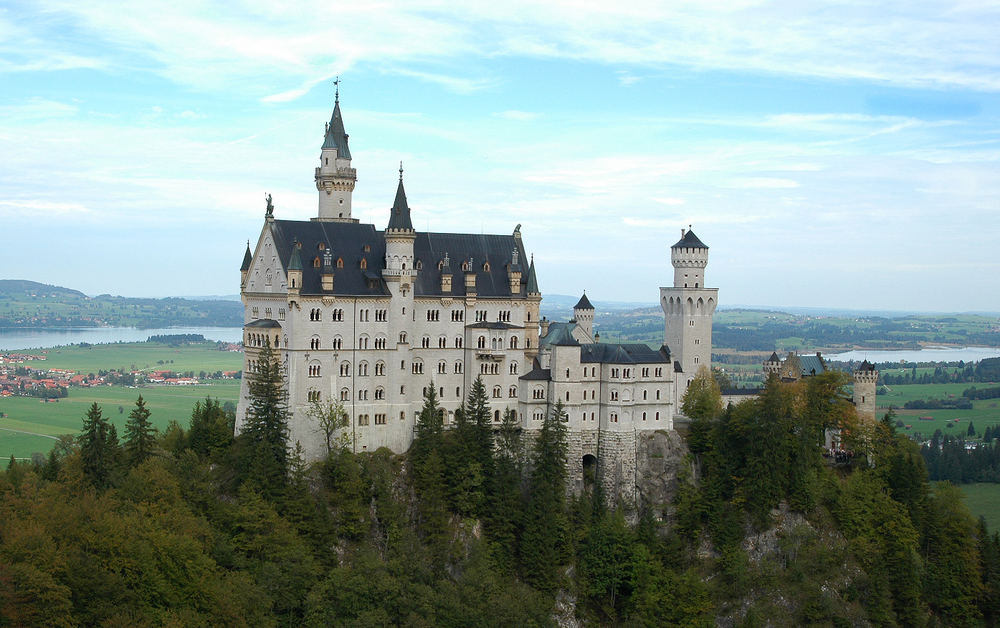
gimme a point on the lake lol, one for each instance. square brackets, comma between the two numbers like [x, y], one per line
[16, 339]
[931, 354]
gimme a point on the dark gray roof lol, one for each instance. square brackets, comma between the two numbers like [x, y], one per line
[537, 372]
[689, 241]
[624, 354]
[583, 303]
[348, 241]
[336, 137]
[399, 216]
[532, 280]
[774, 357]
[247, 258]
[263, 322]
[866, 366]
[492, 325]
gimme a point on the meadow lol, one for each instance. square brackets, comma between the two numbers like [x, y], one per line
[983, 499]
[984, 413]
[30, 425]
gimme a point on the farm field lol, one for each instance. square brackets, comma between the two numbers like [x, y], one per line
[30, 424]
[983, 499]
[140, 355]
[984, 413]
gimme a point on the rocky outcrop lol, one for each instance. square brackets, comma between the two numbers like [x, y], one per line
[660, 456]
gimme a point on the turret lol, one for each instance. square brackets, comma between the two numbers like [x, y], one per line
[295, 270]
[335, 178]
[399, 237]
[865, 386]
[445, 275]
[470, 277]
[689, 258]
[514, 273]
[772, 365]
[532, 312]
[583, 314]
[245, 268]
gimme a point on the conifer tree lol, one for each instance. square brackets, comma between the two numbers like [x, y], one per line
[479, 415]
[99, 449]
[140, 435]
[211, 427]
[505, 504]
[543, 542]
[264, 454]
[430, 428]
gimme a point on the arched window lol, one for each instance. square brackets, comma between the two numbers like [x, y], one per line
[345, 394]
[345, 369]
[362, 369]
[496, 392]
[340, 262]
[512, 392]
[482, 342]
[458, 342]
[364, 264]
[513, 342]
[379, 368]
[459, 366]
[402, 337]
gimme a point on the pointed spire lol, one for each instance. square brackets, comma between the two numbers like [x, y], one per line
[336, 136]
[532, 281]
[400, 217]
[583, 303]
[295, 263]
[247, 258]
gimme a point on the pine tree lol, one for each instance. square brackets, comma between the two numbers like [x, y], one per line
[264, 451]
[99, 449]
[506, 504]
[543, 542]
[430, 428]
[140, 435]
[479, 415]
[211, 427]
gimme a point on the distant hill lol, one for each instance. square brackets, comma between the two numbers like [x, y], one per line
[18, 287]
[25, 304]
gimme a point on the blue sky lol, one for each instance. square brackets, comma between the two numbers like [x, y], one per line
[831, 154]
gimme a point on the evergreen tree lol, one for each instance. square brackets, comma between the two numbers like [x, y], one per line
[479, 415]
[543, 541]
[264, 451]
[702, 404]
[505, 505]
[140, 435]
[430, 429]
[211, 427]
[99, 449]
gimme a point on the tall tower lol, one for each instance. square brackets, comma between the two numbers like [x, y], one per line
[335, 178]
[583, 314]
[688, 307]
[865, 380]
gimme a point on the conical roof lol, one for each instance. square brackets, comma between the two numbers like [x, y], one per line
[336, 137]
[295, 262]
[247, 258]
[689, 241]
[583, 303]
[400, 217]
[532, 280]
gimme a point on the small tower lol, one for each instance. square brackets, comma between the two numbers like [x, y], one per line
[865, 381]
[772, 365]
[533, 323]
[688, 308]
[335, 178]
[245, 268]
[295, 271]
[514, 273]
[583, 314]
[446, 275]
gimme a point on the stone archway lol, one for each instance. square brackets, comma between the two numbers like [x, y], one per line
[589, 472]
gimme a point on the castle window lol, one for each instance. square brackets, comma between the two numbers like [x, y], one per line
[513, 342]
[267, 312]
[433, 315]
[459, 366]
[658, 372]
[362, 419]
[363, 369]
[402, 391]
[345, 395]
[697, 341]
[380, 419]
[614, 395]
[614, 417]
[513, 368]
[442, 367]
[379, 369]
[441, 395]
[314, 369]
[465, 266]
[567, 373]
[340, 262]
[345, 369]
[657, 416]
[316, 262]
[338, 343]
[645, 372]
[644, 393]
[425, 342]
[657, 395]
[402, 337]
[512, 392]
[538, 393]
[402, 416]
[458, 342]
[496, 416]
[380, 316]
[368, 248]
[481, 344]
[380, 342]
[496, 392]
[442, 342]
[486, 267]
[314, 342]
[380, 393]
[364, 266]
[691, 323]
[695, 359]
[567, 395]
[313, 395]
[362, 395]
[419, 265]
[457, 315]
[363, 342]
[253, 311]
[281, 313]
[643, 416]
[417, 367]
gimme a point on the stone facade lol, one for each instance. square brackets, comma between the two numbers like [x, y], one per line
[371, 318]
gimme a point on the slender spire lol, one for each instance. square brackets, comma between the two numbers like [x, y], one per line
[295, 263]
[400, 217]
[247, 258]
[336, 136]
[532, 280]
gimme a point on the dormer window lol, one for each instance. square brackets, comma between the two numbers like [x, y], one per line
[316, 262]
[340, 262]
[420, 265]
[321, 246]
[364, 264]
[486, 267]
[465, 266]
[368, 248]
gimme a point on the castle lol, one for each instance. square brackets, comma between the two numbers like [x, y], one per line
[371, 318]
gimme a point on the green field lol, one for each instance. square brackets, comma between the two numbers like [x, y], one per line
[138, 355]
[30, 424]
[984, 413]
[983, 499]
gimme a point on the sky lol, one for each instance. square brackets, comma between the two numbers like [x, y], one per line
[831, 154]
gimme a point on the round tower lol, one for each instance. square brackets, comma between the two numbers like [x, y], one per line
[865, 382]
[335, 178]
[688, 308]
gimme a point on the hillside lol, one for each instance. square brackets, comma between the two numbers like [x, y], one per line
[31, 304]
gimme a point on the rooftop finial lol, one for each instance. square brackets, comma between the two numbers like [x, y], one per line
[336, 93]
[400, 170]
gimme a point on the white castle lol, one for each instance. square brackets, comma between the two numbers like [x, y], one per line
[371, 318]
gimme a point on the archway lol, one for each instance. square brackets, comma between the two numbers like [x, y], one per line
[589, 473]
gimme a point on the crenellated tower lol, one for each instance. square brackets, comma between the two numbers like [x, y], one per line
[688, 308]
[335, 178]
[865, 383]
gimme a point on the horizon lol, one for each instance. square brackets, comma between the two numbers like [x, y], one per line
[834, 156]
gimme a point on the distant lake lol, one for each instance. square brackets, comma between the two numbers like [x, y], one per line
[933, 354]
[16, 339]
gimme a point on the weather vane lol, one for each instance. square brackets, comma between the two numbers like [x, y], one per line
[401, 171]
[336, 85]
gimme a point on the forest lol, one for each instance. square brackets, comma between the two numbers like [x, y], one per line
[474, 525]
